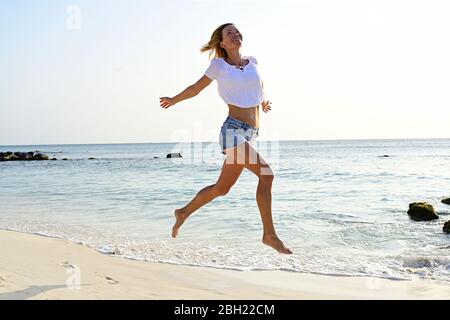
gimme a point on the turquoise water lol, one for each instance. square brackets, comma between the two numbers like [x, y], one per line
[339, 205]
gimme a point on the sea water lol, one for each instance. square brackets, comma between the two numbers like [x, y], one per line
[340, 206]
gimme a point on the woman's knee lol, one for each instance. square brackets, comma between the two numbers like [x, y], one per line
[266, 176]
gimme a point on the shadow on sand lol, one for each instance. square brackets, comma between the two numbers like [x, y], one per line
[30, 292]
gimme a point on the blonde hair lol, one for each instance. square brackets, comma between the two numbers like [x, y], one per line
[213, 45]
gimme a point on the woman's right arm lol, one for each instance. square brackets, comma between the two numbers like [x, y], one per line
[187, 93]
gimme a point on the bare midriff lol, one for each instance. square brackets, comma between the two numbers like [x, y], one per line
[248, 115]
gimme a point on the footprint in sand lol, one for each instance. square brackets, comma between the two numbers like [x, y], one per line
[111, 280]
[2, 281]
[67, 265]
[107, 278]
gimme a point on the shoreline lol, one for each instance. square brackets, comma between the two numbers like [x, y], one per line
[41, 267]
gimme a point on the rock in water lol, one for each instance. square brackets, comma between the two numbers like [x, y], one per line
[22, 156]
[174, 155]
[422, 211]
[446, 227]
[446, 200]
[40, 156]
[9, 157]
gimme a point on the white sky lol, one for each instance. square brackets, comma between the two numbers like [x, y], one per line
[332, 69]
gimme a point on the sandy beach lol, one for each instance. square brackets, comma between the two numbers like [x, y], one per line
[38, 267]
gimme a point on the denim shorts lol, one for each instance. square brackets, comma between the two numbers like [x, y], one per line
[234, 132]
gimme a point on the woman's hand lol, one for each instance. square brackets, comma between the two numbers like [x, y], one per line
[166, 102]
[266, 106]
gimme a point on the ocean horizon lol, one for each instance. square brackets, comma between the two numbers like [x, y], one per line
[215, 141]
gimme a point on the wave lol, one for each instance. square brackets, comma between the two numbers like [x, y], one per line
[225, 256]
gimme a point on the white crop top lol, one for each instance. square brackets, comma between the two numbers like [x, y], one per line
[237, 87]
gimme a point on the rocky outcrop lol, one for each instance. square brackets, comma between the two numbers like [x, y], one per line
[174, 155]
[422, 211]
[40, 156]
[22, 156]
[446, 200]
[446, 227]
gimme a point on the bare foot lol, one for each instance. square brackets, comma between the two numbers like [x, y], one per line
[277, 244]
[180, 216]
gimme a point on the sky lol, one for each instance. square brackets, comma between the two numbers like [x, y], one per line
[92, 71]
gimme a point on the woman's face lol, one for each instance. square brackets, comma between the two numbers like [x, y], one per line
[232, 38]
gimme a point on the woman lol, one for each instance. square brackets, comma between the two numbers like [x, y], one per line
[241, 88]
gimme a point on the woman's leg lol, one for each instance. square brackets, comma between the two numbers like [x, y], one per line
[256, 164]
[228, 177]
